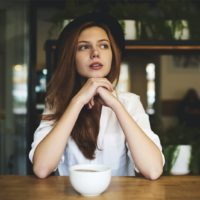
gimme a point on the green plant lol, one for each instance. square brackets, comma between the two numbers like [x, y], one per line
[195, 158]
[170, 153]
[177, 135]
[180, 134]
[158, 20]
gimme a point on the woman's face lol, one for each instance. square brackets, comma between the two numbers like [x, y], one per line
[93, 54]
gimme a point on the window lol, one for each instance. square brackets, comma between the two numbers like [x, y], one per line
[123, 84]
[150, 75]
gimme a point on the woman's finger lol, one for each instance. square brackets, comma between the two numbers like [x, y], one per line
[107, 82]
[91, 103]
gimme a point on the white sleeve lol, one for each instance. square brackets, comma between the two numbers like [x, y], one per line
[138, 113]
[40, 133]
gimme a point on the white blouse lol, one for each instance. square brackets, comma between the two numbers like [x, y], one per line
[112, 149]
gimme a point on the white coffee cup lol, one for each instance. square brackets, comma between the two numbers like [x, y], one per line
[90, 179]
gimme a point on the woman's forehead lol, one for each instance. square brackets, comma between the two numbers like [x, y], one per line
[93, 32]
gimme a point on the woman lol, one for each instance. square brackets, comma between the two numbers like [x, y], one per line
[189, 109]
[85, 120]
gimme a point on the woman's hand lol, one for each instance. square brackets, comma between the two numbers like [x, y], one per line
[91, 88]
[107, 97]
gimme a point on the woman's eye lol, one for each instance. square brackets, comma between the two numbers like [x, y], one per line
[104, 46]
[83, 47]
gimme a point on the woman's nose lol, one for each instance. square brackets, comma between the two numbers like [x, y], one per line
[94, 53]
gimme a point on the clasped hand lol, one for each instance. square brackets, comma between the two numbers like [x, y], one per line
[100, 87]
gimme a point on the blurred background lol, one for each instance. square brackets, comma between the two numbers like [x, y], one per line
[161, 65]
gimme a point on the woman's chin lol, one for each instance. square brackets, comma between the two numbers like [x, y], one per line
[94, 74]
[97, 75]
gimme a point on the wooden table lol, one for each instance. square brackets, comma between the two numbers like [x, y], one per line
[121, 188]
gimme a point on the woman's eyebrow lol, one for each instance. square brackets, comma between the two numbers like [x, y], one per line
[101, 40]
[83, 41]
[104, 40]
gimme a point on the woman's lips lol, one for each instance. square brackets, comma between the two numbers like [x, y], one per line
[96, 66]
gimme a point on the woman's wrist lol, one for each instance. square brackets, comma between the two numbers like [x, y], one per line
[116, 106]
[77, 101]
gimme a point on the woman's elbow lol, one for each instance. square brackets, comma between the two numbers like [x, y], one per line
[41, 172]
[155, 173]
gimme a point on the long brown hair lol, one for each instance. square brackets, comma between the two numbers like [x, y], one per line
[66, 82]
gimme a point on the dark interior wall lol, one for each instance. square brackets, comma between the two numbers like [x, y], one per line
[2, 60]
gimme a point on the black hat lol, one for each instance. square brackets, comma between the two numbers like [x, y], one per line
[99, 18]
